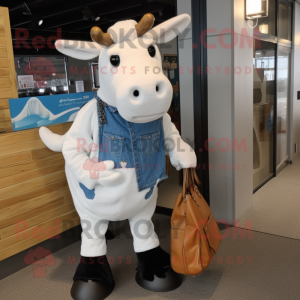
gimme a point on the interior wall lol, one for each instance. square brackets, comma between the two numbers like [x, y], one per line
[220, 108]
[219, 15]
[295, 75]
[35, 201]
[220, 122]
[185, 59]
[243, 112]
[230, 109]
[8, 80]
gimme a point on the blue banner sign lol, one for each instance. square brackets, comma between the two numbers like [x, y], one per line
[31, 112]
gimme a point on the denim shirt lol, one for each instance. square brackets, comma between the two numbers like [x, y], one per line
[131, 145]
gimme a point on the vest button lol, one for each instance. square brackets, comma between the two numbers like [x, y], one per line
[133, 133]
[112, 137]
[149, 137]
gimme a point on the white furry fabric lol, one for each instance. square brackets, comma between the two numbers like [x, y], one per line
[141, 92]
[123, 31]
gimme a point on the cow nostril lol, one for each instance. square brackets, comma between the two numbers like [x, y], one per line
[157, 88]
[136, 93]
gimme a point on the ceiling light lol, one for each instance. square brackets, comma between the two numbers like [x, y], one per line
[35, 21]
[264, 28]
[253, 6]
[257, 9]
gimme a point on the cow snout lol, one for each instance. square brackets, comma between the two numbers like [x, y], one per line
[142, 100]
[160, 89]
[136, 93]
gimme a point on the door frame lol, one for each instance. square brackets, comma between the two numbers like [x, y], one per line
[199, 25]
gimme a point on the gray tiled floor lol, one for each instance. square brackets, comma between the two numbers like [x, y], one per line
[271, 274]
[276, 206]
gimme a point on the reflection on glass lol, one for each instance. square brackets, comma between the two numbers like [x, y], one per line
[263, 110]
[283, 84]
[267, 25]
[45, 75]
[285, 21]
[95, 77]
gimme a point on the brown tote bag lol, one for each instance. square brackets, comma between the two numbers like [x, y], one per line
[195, 236]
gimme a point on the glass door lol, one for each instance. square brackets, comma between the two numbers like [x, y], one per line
[271, 94]
[264, 77]
[283, 94]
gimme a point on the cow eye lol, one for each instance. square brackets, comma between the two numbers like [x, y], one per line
[115, 60]
[152, 51]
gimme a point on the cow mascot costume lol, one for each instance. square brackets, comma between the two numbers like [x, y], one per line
[115, 151]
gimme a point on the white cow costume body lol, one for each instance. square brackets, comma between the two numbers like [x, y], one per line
[116, 190]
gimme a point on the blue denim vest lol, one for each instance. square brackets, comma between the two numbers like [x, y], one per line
[131, 145]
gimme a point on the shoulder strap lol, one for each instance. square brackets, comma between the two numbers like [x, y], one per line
[195, 176]
[185, 179]
[189, 178]
[101, 112]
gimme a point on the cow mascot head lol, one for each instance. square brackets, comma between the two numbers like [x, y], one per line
[115, 151]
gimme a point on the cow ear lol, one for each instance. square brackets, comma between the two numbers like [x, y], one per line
[78, 49]
[168, 30]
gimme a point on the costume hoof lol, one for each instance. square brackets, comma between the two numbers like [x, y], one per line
[91, 290]
[171, 282]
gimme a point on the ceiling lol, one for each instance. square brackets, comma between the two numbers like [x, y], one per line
[74, 19]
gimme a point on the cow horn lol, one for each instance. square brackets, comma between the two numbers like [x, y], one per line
[144, 24]
[100, 37]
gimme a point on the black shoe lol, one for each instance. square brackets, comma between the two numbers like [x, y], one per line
[93, 279]
[154, 272]
[90, 290]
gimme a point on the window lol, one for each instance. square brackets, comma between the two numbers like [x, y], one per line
[285, 20]
[37, 76]
[267, 25]
[272, 63]
[263, 112]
